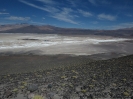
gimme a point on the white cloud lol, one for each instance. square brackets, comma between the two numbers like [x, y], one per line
[51, 2]
[33, 22]
[3, 13]
[51, 9]
[106, 17]
[65, 15]
[47, 8]
[94, 22]
[99, 2]
[123, 25]
[3, 9]
[43, 18]
[93, 2]
[106, 2]
[34, 15]
[18, 18]
[72, 3]
[129, 15]
[85, 13]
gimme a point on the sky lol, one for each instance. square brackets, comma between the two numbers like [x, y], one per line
[87, 14]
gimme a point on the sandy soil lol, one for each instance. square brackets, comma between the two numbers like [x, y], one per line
[43, 44]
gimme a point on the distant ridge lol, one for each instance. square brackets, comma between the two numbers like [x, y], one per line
[48, 29]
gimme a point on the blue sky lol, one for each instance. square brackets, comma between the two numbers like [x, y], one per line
[89, 14]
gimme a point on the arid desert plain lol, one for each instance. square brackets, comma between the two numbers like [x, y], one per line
[51, 66]
[43, 44]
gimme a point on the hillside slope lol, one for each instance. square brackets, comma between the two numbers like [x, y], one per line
[47, 29]
[65, 76]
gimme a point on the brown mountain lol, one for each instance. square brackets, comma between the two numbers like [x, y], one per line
[48, 29]
[8, 27]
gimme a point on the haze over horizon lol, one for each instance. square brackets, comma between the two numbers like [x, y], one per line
[88, 14]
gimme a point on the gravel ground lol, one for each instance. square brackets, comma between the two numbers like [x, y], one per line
[103, 79]
[49, 76]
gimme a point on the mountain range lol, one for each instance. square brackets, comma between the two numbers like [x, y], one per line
[48, 29]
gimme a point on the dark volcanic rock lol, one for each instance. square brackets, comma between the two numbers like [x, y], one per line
[8, 94]
[32, 87]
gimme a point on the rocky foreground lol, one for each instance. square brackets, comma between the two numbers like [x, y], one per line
[101, 79]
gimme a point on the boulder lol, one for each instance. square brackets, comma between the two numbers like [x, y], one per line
[32, 87]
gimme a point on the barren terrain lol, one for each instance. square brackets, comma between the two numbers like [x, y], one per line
[42, 44]
[65, 77]
[42, 66]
